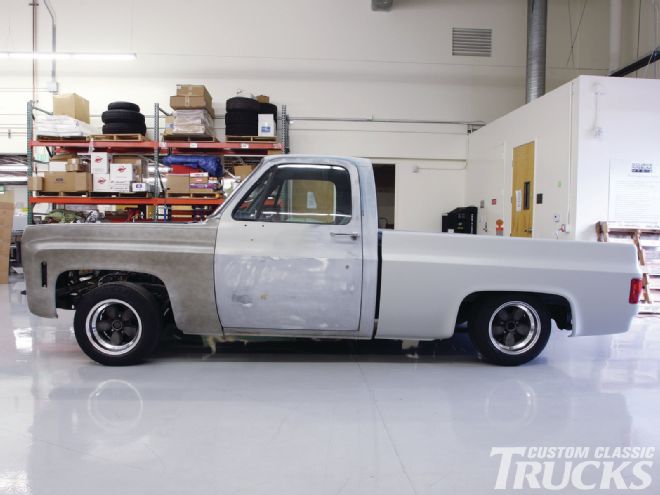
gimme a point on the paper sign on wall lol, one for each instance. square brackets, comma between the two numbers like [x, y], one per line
[518, 200]
[634, 192]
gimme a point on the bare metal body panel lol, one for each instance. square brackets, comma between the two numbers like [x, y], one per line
[300, 279]
[180, 255]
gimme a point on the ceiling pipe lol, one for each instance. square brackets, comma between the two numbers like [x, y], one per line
[537, 23]
[381, 5]
[52, 86]
[638, 64]
[615, 34]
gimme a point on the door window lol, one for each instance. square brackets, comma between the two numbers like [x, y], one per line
[319, 194]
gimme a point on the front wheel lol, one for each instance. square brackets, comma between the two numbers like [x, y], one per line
[510, 329]
[118, 324]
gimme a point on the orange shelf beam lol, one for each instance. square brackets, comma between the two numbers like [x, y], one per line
[80, 200]
[164, 146]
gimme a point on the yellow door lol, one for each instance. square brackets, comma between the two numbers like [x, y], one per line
[522, 196]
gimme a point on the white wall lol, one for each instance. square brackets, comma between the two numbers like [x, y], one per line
[546, 122]
[572, 165]
[322, 59]
[629, 115]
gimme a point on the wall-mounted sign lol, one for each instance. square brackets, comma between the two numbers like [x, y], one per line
[634, 192]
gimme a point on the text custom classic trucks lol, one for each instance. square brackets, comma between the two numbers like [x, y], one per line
[296, 252]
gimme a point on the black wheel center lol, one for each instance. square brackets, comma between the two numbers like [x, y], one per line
[117, 325]
[511, 326]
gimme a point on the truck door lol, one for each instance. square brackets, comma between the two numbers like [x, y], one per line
[289, 251]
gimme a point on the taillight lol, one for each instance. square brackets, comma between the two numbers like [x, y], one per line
[636, 285]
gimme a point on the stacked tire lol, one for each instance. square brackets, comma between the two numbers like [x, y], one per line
[123, 117]
[269, 108]
[242, 117]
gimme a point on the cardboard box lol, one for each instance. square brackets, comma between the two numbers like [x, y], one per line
[35, 183]
[199, 178]
[263, 99]
[178, 184]
[7, 196]
[104, 183]
[99, 162]
[41, 167]
[72, 105]
[192, 90]
[139, 165]
[120, 186]
[62, 157]
[101, 182]
[125, 172]
[266, 124]
[72, 165]
[67, 182]
[78, 164]
[6, 211]
[200, 185]
[187, 102]
[242, 171]
[202, 190]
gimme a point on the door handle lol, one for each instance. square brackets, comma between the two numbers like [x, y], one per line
[529, 230]
[352, 235]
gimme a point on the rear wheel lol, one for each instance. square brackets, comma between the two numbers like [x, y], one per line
[118, 324]
[510, 329]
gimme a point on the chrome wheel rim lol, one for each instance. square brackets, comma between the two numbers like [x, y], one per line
[113, 327]
[514, 327]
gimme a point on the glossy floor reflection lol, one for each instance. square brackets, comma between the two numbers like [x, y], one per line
[322, 418]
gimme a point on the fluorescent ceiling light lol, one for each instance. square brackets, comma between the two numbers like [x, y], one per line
[67, 56]
[12, 178]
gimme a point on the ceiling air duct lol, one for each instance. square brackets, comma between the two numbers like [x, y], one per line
[537, 22]
[382, 5]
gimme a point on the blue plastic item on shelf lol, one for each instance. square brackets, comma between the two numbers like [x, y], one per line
[210, 164]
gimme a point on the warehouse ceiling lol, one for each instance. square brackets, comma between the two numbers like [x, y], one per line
[382, 4]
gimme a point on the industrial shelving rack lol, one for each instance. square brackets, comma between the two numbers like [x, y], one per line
[154, 148]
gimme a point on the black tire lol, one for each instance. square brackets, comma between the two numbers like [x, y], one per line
[124, 128]
[241, 117]
[495, 329]
[241, 103]
[242, 130]
[125, 116]
[268, 108]
[120, 306]
[123, 105]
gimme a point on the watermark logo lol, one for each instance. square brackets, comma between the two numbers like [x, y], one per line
[581, 468]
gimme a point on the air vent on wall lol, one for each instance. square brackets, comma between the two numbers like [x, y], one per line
[469, 42]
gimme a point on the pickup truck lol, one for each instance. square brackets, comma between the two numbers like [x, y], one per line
[296, 251]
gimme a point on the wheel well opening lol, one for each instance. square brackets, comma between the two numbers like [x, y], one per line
[72, 285]
[558, 306]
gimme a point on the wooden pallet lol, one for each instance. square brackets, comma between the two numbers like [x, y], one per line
[98, 194]
[217, 195]
[118, 137]
[80, 139]
[253, 139]
[189, 138]
[61, 194]
[647, 244]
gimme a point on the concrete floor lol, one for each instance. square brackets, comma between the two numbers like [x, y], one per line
[321, 418]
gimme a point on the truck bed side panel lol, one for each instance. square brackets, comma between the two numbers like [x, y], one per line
[425, 277]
